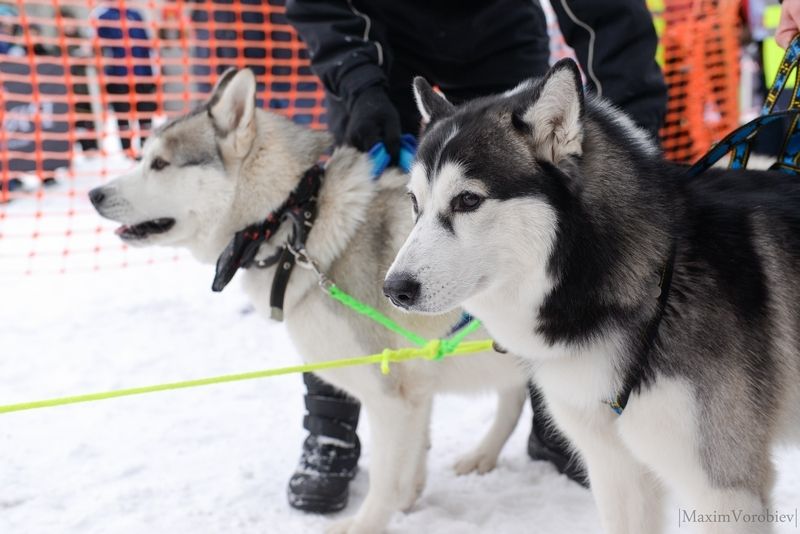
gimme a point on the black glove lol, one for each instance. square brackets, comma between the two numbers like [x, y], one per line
[373, 118]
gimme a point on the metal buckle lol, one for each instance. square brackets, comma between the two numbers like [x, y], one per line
[306, 262]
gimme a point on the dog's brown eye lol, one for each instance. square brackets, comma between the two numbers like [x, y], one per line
[466, 201]
[158, 163]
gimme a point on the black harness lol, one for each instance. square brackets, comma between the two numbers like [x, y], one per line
[636, 372]
[301, 209]
[738, 143]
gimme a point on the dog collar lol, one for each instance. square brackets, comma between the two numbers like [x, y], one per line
[635, 372]
[301, 209]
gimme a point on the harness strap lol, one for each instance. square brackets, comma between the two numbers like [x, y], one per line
[739, 142]
[790, 151]
[301, 209]
[332, 428]
[634, 374]
[462, 323]
[280, 282]
[342, 409]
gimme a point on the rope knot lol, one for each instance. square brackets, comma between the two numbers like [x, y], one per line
[433, 350]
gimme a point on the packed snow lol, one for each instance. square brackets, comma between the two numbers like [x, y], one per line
[211, 459]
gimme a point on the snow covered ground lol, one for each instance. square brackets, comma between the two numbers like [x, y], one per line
[213, 459]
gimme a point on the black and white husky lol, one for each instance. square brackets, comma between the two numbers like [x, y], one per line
[551, 217]
[205, 176]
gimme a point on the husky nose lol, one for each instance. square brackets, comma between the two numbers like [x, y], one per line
[97, 196]
[402, 289]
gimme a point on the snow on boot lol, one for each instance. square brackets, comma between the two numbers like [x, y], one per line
[329, 460]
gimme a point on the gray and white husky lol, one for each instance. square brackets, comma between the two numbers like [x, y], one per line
[211, 173]
[617, 278]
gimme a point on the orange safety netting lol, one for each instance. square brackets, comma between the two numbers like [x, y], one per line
[701, 67]
[80, 88]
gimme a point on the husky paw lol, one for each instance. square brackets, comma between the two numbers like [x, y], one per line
[407, 502]
[477, 460]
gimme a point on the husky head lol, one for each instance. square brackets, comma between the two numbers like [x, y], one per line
[490, 182]
[196, 167]
[182, 178]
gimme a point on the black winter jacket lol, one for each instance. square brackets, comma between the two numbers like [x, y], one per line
[352, 43]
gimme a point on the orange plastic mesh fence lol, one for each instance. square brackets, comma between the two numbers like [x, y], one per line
[83, 81]
[701, 66]
[80, 88]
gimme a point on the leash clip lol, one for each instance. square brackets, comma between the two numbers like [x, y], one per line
[303, 260]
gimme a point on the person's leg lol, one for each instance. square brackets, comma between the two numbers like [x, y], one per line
[84, 125]
[616, 41]
[330, 452]
[255, 38]
[122, 107]
[145, 107]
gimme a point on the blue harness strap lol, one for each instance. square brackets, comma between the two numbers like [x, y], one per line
[739, 142]
[463, 321]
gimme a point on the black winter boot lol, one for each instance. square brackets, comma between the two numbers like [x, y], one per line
[548, 444]
[329, 460]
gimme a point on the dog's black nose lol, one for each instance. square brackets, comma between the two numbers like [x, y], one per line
[97, 196]
[402, 289]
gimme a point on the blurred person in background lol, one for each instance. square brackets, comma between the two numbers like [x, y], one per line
[225, 16]
[367, 53]
[171, 32]
[32, 125]
[79, 50]
[9, 31]
[40, 48]
[120, 49]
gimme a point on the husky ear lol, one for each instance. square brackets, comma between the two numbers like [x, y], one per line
[431, 105]
[555, 115]
[232, 110]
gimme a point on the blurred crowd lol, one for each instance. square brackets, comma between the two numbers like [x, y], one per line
[115, 64]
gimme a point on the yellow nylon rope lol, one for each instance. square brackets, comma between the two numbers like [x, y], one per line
[430, 351]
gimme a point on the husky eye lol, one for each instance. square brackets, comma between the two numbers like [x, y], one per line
[159, 163]
[414, 204]
[466, 201]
